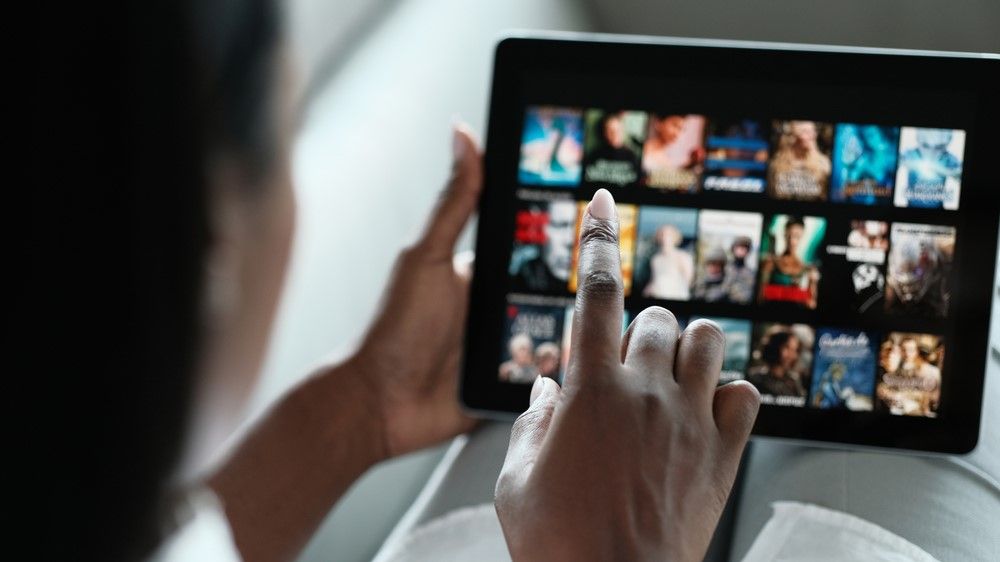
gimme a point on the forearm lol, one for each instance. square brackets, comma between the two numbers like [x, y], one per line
[295, 464]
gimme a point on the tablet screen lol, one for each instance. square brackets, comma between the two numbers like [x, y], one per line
[765, 277]
[821, 224]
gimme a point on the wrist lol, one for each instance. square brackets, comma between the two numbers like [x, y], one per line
[344, 401]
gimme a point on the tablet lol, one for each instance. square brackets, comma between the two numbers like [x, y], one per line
[834, 210]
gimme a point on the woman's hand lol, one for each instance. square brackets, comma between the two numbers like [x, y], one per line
[410, 357]
[634, 458]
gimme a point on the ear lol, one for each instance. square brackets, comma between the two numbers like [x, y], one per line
[228, 230]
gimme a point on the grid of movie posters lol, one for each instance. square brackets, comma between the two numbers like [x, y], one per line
[821, 311]
[790, 160]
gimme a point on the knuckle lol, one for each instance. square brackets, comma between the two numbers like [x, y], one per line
[705, 331]
[657, 316]
[654, 331]
[689, 436]
[530, 419]
[649, 341]
[747, 406]
[522, 424]
[447, 191]
[599, 232]
[653, 403]
[527, 420]
[600, 285]
[411, 255]
[502, 488]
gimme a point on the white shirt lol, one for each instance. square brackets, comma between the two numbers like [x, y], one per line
[203, 534]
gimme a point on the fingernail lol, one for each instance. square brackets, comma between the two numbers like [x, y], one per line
[458, 146]
[536, 388]
[602, 206]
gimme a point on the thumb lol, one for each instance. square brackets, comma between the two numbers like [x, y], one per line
[528, 435]
[459, 198]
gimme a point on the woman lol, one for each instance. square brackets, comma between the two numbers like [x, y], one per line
[798, 169]
[673, 155]
[786, 277]
[671, 268]
[173, 233]
[781, 374]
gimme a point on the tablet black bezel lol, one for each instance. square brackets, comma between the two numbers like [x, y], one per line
[592, 64]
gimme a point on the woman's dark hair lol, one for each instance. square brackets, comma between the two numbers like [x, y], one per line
[772, 349]
[135, 101]
[794, 220]
[600, 128]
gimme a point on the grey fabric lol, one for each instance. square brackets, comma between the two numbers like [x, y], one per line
[945, 509]
[950, 507]
[470, 479]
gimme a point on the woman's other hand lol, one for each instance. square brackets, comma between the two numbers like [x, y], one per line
[634, 458]
[410, 357]
[396, 394]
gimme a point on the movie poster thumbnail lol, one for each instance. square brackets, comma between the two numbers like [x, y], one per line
[930, 168]
[843, 374]
[790, 268]
[567, 341]
[737, 332]
[781, 363]
[544, 235]
[920, 258]
[665, 247]
[855, 263]
[909, 374]
[613, 146]
[551, 147]
[533, 336]
[673, 156]
[864, 164]
[800, 165]
[736, 153]
[728, 256]
[626, 243]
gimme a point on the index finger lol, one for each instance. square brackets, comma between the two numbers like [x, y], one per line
[599, 298]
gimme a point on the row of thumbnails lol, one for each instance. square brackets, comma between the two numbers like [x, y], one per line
[742, 258]
[792, 365]
[798, 160]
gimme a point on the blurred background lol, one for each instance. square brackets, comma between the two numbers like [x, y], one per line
[382, 82]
